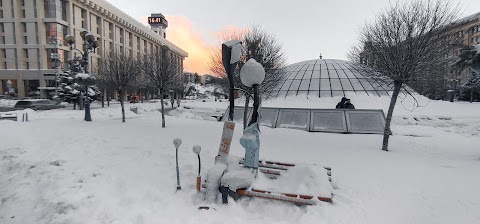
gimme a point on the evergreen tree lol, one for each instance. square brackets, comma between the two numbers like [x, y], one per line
[472, 85]
[68, 88]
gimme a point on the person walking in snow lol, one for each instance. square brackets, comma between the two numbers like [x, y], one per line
[341, 104]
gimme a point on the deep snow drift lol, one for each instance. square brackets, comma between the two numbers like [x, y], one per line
[59, 169]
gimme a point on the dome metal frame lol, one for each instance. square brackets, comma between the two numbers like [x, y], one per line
[331, 78]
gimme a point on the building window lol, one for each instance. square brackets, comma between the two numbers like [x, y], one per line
[27, 65]
[50, 8]
[25, 39]
[24, 27]
[1, 13]
[24, 14]
[25, 52]
[64, 10]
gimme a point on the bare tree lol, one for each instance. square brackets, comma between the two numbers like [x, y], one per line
[118, 71]
[265, 49]
[161, 68]
[404, 41]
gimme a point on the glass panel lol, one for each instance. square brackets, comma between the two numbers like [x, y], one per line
[356, 84]
[325, 121]
[346, 84]
[333, 74]
[337, 93]
[291, 75]
[341, 74]
[315, 84]
[366, 84]
[325, 94]
[335, 84]
[292, 93]
[382, 93]
[294, 119]
[307, 75]
[316, 74]
[317, 67]
[238, 114]
[310, 67]
[330, 67]
[268, 117]
[300, 74]
[305, 84]
[313, 94]
[295, 85]
[324, 84]
[302, 93]
[349, 74]
[324, 74]
[372, 93]
[286, 84]
[366, 121]
[282, 94]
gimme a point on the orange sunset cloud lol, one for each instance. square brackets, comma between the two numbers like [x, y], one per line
[181, 32]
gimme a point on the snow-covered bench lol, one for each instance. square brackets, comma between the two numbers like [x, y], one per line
[8, 116]
[301, 184]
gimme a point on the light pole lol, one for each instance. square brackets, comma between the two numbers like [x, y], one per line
[55, 57]
[252, 75]
[196, 149]
[177, 142]
[89, 45]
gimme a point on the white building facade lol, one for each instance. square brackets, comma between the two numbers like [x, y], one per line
[30, 30]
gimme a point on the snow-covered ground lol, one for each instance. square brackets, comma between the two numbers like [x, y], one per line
[56, 168]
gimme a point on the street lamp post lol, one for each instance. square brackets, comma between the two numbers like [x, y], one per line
[252, 75]
[89, 45]
[56, 58]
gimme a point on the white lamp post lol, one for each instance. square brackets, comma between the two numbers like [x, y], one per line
[252, 75]
[196, 149]
[177, 142]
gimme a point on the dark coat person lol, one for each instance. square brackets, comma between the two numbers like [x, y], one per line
[341, 104]
[349, 105]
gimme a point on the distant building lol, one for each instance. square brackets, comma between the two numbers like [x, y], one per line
[31, 30]
[436, 85]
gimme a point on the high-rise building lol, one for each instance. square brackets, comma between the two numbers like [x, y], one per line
[31, 30]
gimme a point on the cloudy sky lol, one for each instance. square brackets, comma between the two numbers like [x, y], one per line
[306, 28]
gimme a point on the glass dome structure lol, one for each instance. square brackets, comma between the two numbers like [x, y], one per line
[331, 78]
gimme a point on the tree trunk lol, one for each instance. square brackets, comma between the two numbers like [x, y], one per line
[122, 98]
[74, 105]
[141, 96]
[163, 108]
[471, 95]
[80, 102]
[103, 98]
[245, 112]
[393, 101]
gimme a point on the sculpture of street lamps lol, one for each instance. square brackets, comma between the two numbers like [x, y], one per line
[252, 75]
[89, 45]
